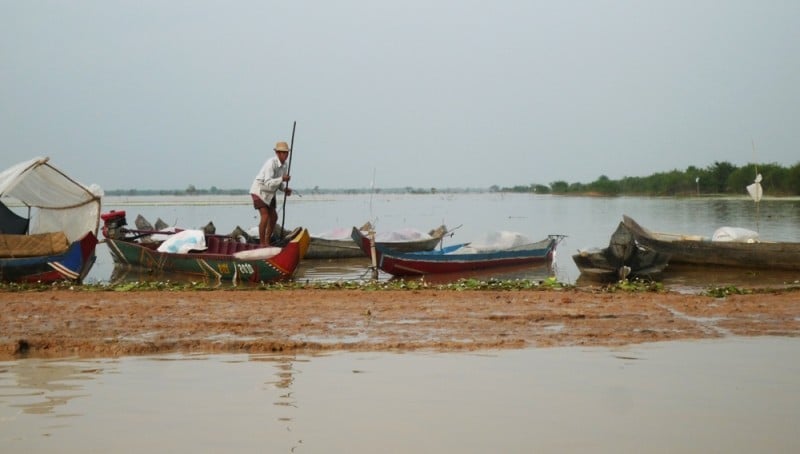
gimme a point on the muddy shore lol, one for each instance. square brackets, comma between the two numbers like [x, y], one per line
[63, 323]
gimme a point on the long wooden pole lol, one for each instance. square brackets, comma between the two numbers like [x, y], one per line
[288, 172]
[755, 163]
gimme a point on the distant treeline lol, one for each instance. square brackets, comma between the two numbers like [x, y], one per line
[719, 178]
[191, 190]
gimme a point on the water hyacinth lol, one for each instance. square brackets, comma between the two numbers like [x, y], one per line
[551, 284]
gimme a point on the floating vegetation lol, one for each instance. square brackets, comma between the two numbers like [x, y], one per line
[635, 285]
[104, 287]
[157, 285]
[550, 283]
[722, 292]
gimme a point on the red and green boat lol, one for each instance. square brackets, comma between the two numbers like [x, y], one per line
[219, 258]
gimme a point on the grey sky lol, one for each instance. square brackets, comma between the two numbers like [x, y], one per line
[425, 93]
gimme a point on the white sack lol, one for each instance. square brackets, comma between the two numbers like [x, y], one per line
[185, 241]
[735, 234]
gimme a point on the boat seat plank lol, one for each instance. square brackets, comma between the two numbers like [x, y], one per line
[226, 246]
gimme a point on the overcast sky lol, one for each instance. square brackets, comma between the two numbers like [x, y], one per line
[422, 93]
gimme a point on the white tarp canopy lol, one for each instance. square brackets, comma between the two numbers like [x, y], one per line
[60, 203]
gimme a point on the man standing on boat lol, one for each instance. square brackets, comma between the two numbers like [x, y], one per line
[272, 177]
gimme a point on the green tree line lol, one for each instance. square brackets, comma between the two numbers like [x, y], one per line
[718, 178]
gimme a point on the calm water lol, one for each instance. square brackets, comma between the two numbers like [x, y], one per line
[587, 222]
[734, 396]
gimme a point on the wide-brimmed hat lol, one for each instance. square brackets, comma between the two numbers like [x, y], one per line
[282, 146]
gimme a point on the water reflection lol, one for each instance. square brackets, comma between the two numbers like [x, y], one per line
[286, 400]
[125, 274]
[327, 270]
[352, 270]
[43, 387]
[681, 278]
[309, 271]
[723, 211]
[692, 279]
[535, 273]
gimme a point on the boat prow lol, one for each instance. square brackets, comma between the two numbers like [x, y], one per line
[624, 257]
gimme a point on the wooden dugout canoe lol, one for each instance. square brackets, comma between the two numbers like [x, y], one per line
[701, 251]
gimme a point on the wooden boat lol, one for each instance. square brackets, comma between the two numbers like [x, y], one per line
[345, 248]
[321, 248]
[456, 258]
[217, 257]
[57, 238]
[622, 258]
[698, 250]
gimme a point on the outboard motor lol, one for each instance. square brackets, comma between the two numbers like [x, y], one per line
[113, 223]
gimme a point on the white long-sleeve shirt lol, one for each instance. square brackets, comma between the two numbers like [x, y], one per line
[269, 179]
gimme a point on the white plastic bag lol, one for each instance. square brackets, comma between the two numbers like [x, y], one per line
[735, 234]
[184, 241]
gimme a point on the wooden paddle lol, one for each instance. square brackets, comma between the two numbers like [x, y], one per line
[288, 172]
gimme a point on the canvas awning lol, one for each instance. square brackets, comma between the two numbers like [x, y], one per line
[59, 203]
